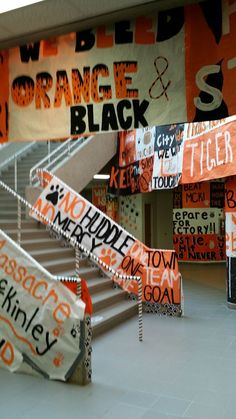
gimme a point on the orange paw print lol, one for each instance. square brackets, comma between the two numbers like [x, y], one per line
[58, 331]
[58, 359]
[108, 257]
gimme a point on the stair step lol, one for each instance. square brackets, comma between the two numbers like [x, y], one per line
[21, 173]
[107, 297]
[8, 204]
[41, 244]
[11, 215]
[20, 192]
[57, 266]
[12, 224]
[20, 188]
[110, 305]
[44, 255]
[56, 254]
[110, 317]
[10, 211]
[67, 265]
[98, 284]
[84, 272]
[27, 233]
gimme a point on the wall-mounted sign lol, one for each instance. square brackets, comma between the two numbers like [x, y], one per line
[199, 221]
[202, 248]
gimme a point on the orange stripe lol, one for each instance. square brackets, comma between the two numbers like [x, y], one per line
[17, 336]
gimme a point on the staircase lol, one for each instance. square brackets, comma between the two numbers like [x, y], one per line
[110, 305]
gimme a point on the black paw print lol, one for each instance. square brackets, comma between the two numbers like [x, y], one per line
[75, 330]
[55, 195]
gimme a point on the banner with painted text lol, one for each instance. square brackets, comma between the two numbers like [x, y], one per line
[210, 29]
[107, 203]
[99, 197]
[131, 74]
[149, 158]
[199, 221]
[173, 155]
[40, 319]
[201, 248]
[211, 153]
[95, 80]
[111, 243]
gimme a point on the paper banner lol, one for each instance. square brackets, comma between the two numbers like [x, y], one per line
[202, 248]
[40, 319]
[99, 197]
[196, 195]
[183, 153]
[197, 221]
[96, 80]
[132, 74]
[111, 243]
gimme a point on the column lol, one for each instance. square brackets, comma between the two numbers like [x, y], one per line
[230, 238]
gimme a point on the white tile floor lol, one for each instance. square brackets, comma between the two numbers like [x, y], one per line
[184, 368]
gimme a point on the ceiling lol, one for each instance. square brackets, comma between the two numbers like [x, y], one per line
[55, 17]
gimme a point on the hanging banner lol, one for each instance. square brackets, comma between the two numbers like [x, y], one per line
[210, 29]
[168, 148]
[112, 208]
[136, 158]
[217, 194]
[131, 74]
[210, 154]
[96, 80]
[112, 244]
[40, 319]
[201, 248]
[99, 197]
[196, 195]
[182, 153]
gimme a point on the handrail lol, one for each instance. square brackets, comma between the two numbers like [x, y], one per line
[3, 145]
[16, 155]
[76, 245]
[72, 146]
[44, 159]
[66, 148]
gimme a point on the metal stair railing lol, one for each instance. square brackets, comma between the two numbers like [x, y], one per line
[77, 246]
[15, 158]
[3, 145]
[54, 158]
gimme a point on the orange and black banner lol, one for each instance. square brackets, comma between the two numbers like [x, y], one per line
[132, 74]
[167, 156]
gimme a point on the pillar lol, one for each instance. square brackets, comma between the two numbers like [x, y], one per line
[230, 238]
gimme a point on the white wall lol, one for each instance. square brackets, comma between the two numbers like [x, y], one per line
[89, 160]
